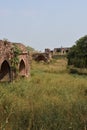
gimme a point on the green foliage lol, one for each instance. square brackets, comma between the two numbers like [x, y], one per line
[77, 56]
[59, 56]
[15, 60]
[30, 49]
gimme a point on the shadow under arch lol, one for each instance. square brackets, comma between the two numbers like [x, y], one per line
[41, 57]
[22, 68]
[5, 71]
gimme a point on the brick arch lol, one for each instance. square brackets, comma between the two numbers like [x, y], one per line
[5, 71]
[22, 68]
[41, 57]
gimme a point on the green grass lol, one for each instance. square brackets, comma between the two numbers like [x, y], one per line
[51, 99]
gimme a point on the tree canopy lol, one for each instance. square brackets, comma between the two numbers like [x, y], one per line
[30, 49]
[78, 53]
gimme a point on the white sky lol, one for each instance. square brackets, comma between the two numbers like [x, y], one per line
[43, 23]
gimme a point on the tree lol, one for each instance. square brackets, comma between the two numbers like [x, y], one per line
[78, 53]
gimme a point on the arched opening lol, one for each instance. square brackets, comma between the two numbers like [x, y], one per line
[22, 68]
[41, 57]
[5, 71]
[67, 51]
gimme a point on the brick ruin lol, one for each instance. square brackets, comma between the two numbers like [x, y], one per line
[46, 57]
[48, 54]
[14, 61]
[62, 50]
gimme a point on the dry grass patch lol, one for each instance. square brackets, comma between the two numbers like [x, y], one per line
[51, 99]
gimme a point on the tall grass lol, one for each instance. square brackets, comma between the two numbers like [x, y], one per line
[51, 99]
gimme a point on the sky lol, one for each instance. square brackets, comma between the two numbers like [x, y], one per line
[43, 23]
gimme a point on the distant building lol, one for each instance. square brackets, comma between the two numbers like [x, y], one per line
[47, 50]
[50, 52]
[61, 50]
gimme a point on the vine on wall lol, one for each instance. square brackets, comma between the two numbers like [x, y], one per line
[15, 59]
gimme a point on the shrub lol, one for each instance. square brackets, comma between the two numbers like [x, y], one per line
[77, 56]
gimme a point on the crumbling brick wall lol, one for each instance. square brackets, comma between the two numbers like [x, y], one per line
[7, 72]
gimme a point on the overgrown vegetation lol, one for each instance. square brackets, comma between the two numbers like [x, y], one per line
[51, 99]
[15, 60]
[77, 56]
[30, 49]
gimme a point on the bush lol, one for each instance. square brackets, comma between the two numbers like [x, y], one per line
[77, 56]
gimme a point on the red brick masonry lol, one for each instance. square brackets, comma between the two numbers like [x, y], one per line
[7, 73]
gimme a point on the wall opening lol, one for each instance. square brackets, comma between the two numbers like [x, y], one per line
[5, 73]
[22, 68]
[41, 57]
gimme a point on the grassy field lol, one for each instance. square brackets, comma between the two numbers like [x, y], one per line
[51, 99]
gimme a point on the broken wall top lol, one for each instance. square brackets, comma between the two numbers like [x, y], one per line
[6, 46]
